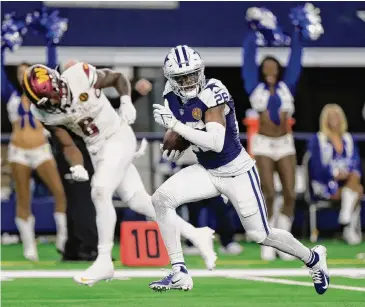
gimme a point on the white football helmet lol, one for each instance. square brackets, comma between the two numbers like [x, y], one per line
[184, 69]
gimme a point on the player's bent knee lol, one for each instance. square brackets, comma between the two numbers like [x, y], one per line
[163, 199]
[100, 194]
[257, 236]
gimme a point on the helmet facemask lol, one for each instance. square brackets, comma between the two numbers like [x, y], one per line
[61, 88]
[57, 98]
[187, 85]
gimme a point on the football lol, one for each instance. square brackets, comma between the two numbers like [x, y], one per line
[172, 140]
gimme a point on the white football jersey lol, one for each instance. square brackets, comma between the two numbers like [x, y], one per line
[90, 115]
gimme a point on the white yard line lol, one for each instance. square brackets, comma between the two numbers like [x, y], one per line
[195, 273]
[297, 283]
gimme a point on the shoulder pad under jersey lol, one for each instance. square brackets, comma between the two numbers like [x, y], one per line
[214, 94]
[167, 89]
[80, 77]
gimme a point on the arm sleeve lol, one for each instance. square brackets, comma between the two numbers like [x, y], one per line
[212, 139]
[294, 67]
[249, 70]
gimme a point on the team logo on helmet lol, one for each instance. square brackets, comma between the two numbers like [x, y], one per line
[197, 113]
[84, 97]
[41, 75]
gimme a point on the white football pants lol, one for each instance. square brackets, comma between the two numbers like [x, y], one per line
[195, 183]
[114, 171]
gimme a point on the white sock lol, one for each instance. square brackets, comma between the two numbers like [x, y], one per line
[26, 231]
[349, 199]
[284, 222]
[355, 218]
[61, 223]
[167, 220]
[106, 219]
[285, 242]
[61, 226]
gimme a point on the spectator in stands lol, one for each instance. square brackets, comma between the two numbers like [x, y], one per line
[271, 92]
[29, 150]
[335, 171]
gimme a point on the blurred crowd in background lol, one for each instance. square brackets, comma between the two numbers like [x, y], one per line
[311, 160]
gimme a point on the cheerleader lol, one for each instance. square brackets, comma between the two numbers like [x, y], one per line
[271, 91]
[29, 150]
[335, 169]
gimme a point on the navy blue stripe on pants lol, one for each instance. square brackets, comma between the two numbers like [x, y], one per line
[259, 203]
[259, 185]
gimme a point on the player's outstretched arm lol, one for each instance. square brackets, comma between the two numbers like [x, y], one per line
[110, 78]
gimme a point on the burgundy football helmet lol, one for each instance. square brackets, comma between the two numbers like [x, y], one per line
[46, 89]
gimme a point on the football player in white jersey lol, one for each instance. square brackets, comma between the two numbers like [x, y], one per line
[202, 112]
[75, 100]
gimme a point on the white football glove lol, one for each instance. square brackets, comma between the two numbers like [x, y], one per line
[163, 116]
[79, 173]
[127, 111]
[171, 156]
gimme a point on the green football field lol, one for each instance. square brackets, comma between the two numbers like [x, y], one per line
[242, 280]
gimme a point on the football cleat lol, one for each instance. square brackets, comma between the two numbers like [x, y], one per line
[319, 271]
[101, 269]
[204, 242]
[177, 279]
